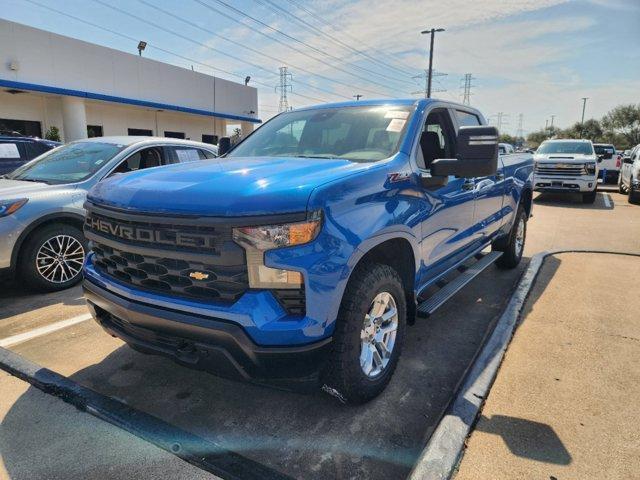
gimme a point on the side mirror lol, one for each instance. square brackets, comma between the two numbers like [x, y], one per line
[600, 158]
[224, 145]
[627, 160]
[477, 154]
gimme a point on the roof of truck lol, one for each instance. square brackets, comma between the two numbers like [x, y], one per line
[399, 102]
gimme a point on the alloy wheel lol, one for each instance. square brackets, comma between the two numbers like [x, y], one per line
[378, 334]
[60, 259]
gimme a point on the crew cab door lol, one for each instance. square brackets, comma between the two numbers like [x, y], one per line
[489, 190]
[447, 223]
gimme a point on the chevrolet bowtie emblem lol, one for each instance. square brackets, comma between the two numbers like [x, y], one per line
[199, 275]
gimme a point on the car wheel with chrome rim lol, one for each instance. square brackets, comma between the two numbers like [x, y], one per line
[52, 257]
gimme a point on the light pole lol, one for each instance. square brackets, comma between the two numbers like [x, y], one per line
[584, 105]
[430, 74]
[358, 96]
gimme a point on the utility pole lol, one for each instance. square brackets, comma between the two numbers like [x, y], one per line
[433, 34]
[425, 75]
[546, 124]
[284, 87]
[357, 96]
[552, 117]
[584, 105]
[466, 98]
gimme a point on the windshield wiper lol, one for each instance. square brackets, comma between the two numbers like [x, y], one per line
[31, 180]
[316, 156]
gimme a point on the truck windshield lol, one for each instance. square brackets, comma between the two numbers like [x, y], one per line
[580, 148]
[361, 134]
[70, 163]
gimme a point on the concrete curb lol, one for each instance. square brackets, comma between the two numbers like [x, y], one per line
[445, 448]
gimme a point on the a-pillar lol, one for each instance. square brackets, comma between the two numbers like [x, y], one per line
[74, 118]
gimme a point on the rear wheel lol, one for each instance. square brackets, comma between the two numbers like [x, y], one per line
[513, 245]
[620, 184]
[589, 197]
[369, 335]
[634, 195]
[52, 257]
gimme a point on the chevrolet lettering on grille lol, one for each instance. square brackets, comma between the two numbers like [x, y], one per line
[149, 235]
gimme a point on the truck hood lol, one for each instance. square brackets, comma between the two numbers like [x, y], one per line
[564, 158]
[10, 189]
[223, 187]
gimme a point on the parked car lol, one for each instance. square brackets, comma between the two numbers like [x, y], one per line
[41, 203]
[629, 181]
[302, 257]
[567, 166]
[610, 164]
[505, 148]
[17, 150]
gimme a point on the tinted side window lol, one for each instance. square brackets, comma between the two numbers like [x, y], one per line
[146, 158]
[466, 119]
[35, 149]
[206, 154]
[436, 140]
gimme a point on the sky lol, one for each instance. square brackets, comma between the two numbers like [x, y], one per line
[535, 58]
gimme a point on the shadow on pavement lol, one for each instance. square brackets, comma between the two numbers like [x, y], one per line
[16, 299]
[526, 438]
[306, 436]
[574, 200]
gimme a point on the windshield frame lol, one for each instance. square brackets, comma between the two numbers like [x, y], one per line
[410, 108]
[121, 148]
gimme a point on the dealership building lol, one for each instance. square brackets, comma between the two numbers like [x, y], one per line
[85, 90]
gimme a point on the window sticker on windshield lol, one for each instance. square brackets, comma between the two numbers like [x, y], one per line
[189, 155]
[396, 114]
[9, 150]
[396, 125]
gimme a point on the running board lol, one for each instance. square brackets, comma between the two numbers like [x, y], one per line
[434, 302]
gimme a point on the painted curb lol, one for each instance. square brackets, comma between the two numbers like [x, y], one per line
[445, 448]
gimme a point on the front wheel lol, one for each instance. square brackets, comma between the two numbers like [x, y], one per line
[369, 335]
[634, 195]
[52, 257]
[513, 246]
[620, 184]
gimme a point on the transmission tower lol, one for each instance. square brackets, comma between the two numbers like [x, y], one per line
[466, 97]
[425, 76]
[500, 119]
[520, 132]
[284, 87]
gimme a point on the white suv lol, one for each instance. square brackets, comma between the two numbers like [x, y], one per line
[565, 166]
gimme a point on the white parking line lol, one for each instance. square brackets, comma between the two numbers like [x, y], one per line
[38, 332]
[607, 202]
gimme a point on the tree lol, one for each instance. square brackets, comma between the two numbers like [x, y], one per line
[237, 135]
[53, 133]
[536, 138]
[591, 130]
[623, 123]
[506, 138]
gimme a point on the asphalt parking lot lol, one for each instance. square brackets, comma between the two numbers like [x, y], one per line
[303, 436]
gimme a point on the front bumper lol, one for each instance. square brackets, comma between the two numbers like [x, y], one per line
[204, 343]
[564, 185]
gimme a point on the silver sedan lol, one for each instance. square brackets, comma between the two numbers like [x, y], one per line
[41, 203]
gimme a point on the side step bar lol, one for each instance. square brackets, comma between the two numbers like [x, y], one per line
[448, 290]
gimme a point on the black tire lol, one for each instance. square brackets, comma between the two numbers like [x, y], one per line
[342, 375]
[634, 195]
[589, 197]
[28, 268]
[511, 252]
[620, 184]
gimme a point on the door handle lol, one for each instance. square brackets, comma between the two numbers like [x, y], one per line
[499, 176]
[469, 184]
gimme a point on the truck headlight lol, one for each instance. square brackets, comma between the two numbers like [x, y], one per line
[7, 207]
[591, 168]
[259, 239]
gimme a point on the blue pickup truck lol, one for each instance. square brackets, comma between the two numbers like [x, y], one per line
[302, 255]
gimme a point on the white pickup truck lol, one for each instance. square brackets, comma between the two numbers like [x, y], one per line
[610, 163]
[565, 166]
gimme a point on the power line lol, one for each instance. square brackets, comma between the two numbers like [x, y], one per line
[466, 97]
[308, 26]
[294, 39]
[211, 32]
[322, 20]
[284, 87]
[169, 52]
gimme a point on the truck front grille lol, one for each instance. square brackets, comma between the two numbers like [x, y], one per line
[560, 169]
[169, 275]
[199, 262]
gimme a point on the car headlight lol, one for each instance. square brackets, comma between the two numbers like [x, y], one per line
[591, 168]
[7, 207]
[259, 239]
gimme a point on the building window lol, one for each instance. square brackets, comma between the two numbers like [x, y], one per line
[22, 127]
[174, 134]
[140, 132]
[212, 139]
[94, 131]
